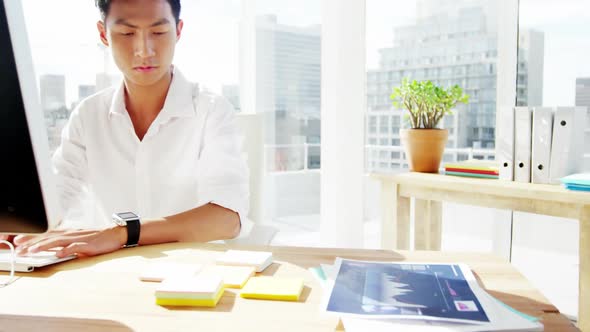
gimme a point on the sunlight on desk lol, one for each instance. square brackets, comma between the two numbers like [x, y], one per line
[106, 291]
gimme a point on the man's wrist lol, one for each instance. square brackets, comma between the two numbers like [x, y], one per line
[121, 235]
[132, 224]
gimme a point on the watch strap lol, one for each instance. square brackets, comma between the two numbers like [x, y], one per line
[133, 228]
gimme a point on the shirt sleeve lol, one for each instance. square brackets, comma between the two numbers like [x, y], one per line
[71, 169]
[223, 177]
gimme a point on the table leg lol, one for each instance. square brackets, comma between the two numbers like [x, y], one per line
[388, 202]
[403, 222]
[584, 276]
[428, 224]
[395, 218]
[435, 225]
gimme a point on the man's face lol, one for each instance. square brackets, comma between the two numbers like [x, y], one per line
[142, 35]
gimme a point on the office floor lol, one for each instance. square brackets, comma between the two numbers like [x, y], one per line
[541, 266]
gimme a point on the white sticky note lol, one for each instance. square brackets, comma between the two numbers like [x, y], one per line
[163, 270]
[258, 259]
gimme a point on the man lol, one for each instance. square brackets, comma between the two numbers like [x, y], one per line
[154, 146]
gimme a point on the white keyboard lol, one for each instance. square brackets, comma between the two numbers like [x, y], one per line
[29, 262]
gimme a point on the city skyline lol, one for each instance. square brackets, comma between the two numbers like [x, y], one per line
[455, 43]
[217, 67]
[68, 46]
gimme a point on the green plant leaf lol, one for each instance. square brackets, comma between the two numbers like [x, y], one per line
[426, 102]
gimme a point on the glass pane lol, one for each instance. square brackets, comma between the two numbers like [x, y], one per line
[70, 66]
[562, 78]
[71, 62]
[559, 71]
[448, 43]
[287, 84]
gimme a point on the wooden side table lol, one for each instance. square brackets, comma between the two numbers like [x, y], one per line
[429, 190]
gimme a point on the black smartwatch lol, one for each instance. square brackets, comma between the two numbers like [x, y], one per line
[132, 222]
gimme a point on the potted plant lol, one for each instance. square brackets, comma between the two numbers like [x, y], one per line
[427, 104]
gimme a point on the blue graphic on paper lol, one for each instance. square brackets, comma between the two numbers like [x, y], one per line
[376, 289]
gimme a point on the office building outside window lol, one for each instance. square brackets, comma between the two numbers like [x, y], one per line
[448, 43]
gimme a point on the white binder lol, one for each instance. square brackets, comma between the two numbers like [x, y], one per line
[522, 144]
[505, 142]
[541, 145]
[568, 142]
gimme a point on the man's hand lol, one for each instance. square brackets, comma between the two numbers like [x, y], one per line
[81, 242]
[5, 238]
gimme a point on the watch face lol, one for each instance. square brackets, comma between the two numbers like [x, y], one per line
[122, 218]
[127, 215]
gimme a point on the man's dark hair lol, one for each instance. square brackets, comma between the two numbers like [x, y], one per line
[105, 5]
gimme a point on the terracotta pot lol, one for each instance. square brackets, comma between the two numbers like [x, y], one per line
[424, 148]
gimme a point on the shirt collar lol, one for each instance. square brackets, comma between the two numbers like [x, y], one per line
[179, 101]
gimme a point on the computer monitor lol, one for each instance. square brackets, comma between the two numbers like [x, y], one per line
[28, 198]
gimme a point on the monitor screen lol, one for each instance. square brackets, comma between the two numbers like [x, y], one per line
[27, 198]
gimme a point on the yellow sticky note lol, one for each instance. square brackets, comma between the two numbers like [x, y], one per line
[190, 291]
[232, 276]
[273, 288]
[190, 302]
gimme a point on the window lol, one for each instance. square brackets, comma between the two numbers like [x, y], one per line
[392, 30]
[461, 38]
[73, 65]
[287, 63]
[372, 124]
[283, 42]
[552, 71]
[384, 124]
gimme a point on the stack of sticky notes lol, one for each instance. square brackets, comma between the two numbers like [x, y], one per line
[159, 271]
[260, 260]
[577, 182]
[474, 168]
[232, 276]
[190, 291]
[273, 288]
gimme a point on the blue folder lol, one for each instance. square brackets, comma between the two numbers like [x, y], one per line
[581, 179]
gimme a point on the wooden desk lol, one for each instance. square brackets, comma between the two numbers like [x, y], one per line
[104, 293]
[430, 190]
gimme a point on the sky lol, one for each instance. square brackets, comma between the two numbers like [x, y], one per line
[208, 51]
[566, 25]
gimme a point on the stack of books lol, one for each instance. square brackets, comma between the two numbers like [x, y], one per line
[577, 182]
[486, 169]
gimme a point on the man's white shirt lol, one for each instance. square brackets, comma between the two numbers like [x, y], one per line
[190, 156]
